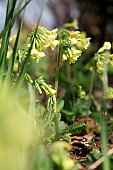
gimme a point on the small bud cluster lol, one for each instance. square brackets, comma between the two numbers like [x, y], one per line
[40, 84]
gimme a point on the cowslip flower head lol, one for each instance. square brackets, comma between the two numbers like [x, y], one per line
[51, 39]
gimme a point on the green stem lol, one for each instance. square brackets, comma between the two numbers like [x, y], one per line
[106, 163]
[57, 71]
[90, 92]
[105, 87]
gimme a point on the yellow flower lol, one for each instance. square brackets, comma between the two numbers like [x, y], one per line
[53, 31]
[50, 40]
[36, 55]
[74, 24]
[73, 37]
[85, 42]
[54, 44]
[74, 55]
[107, 45]
[64, 57]
[51, 91]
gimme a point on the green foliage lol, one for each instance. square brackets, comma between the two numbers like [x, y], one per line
[31, 128]
[75, 128]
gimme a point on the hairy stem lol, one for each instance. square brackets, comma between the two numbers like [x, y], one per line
[57, 71]
[90, 92]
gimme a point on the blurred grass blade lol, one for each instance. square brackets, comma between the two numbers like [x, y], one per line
[5, 39]
[7, 31]
[27, 59]
[32, 99]
[11, 22]
[13, 56]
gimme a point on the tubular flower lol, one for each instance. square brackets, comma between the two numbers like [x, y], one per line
[41, 85]
[72, 55]
[107, 45]
[36, 55]
[50, 41]
[74, 37]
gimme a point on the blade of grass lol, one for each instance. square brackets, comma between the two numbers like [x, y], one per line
[12, 20]
[29, 126]
[7, 31]
[5, 39]
[27, 59]
[13, 56]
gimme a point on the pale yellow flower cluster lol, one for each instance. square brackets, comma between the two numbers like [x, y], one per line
[44, 39]
[103, 56]
[76, 40]
[79, 39]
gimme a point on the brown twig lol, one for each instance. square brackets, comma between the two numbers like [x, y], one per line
[99, 161]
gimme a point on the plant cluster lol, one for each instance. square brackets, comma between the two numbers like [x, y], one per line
[32, 130]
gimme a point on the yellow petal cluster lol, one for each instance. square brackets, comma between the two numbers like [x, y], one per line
[42, 85]
[43, 39]
[74, 45]
[36, 55]
[79, 39]
[103, 56]
[48, 39]
[72, 56]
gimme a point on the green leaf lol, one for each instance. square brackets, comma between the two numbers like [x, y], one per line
[75, 128]
[60, 105]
